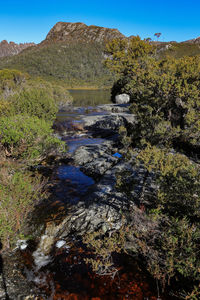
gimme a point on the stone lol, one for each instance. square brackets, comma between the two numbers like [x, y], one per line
[122, 99]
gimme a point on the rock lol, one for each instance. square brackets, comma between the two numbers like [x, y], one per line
[122, 99]
[74, 32]
[115, 108]
[108, 125]
[10, 49]
[13, 283]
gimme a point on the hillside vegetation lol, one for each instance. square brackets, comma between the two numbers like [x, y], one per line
[178, 50]
[75, 64]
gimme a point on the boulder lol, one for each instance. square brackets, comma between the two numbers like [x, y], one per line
[122, 99]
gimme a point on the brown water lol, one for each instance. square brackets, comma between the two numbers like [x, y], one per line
[90, 97]
[69, 277]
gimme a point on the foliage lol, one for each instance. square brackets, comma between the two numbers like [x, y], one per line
[23, 95]
[165, 94]
[178, 179]
[171, 247]
[23, 136]
[19, 191]
[104, 246]
[123, 54]
[76, 64]
[27, 110]
[34, 102]
[177, 50]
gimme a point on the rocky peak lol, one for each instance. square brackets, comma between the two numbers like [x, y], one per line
[193, 41]
[65, 31]
[9, 49]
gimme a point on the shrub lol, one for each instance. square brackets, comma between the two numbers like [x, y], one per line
[20, 94]
[19, 191]
[28, 137]
[165, 98]
[165, 94]
[35, 102]
[172, 248]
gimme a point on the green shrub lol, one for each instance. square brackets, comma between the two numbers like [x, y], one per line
[20, 94]
[28, 137]
[35, 102]
[165, 94]
[19, 192]
[171, 249]
[165, 98]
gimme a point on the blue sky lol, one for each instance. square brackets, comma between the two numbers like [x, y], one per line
[30, 20]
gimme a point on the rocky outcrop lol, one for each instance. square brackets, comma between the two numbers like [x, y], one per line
[74, 32]
[193, 41]
[101, 206]
[122, 99]
[10, 49]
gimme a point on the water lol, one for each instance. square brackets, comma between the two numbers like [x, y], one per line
[75, 177]
[90, 97]
[76, 141]
[65, 274]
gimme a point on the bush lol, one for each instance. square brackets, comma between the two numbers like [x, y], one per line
[35, 102]
[19, 191]
[165, 94]
[171, 248]
[26, 137]
[165, 98]
[20, 94]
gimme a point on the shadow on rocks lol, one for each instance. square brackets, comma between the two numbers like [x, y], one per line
[2, 275]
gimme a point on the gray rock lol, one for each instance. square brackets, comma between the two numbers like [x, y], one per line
[108, 125]
[122, 99]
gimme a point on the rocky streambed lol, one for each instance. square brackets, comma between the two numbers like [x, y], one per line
[83, 198]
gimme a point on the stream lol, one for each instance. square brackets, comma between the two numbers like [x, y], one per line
[57, 265]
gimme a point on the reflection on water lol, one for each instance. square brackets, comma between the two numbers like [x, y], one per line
[90, 97]
[76, 141]
[74, 177]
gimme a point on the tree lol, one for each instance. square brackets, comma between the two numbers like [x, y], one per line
[148, 39]
[158, 34]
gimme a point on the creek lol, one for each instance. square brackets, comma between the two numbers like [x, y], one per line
[83, 196]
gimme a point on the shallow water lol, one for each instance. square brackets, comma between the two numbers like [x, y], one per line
[75, 177]
[76, 141]
[90, 97]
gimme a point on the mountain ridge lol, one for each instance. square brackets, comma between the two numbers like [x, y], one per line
[73, 53]
[68, 31]
[12, 48]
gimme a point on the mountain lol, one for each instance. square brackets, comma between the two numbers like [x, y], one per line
[9, 49]
[193, 41]
[73, 54]
[80, 32]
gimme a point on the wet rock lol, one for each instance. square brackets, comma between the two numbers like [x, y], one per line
[115, 108]
[104, 207]
[13, 282]
[112, 121]
[96, 159]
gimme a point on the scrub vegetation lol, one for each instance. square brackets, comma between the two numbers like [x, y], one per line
[165, 97]
[73, 64]
[27, 110]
